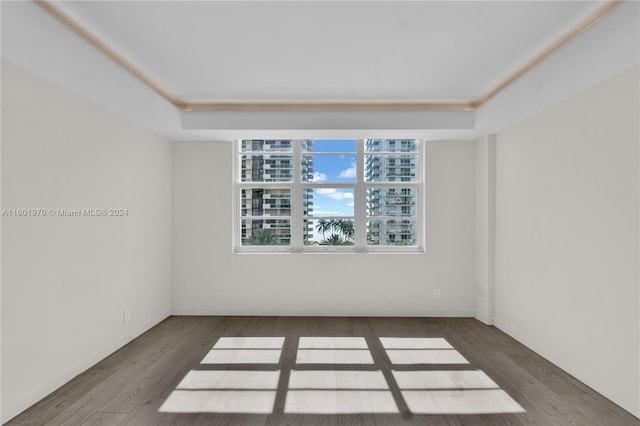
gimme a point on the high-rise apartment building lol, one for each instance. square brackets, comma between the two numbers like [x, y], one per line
[269, 209]
[400, 164]
[266, 205]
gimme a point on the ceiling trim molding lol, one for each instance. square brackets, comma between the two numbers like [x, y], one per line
[109, 51]
[570, 34]
[471, 105]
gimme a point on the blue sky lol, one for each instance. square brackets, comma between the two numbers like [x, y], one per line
[334, 168]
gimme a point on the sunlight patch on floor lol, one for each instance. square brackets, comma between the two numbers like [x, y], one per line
[341, 383]
[334, 356]
[333, 401]
[443, 379]
[473, 401]
[337, 379]
[219, 401]
[421, 356]
[230, 379]
[245, 350]
[415, 343]
[332, 343]
[242, 356]
[249, 343]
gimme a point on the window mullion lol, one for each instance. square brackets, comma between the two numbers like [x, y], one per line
[237, 199]
[280, 188]
[360, 195]
[296, 199]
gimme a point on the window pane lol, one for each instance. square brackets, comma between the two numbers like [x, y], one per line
[263, 145]
[308, 232]
[336, 202]
[328, 168]
[307, 202]
[266, 202]
[329, 232]
[266, 168]
[392, 202]
[391, 168]
[392, 232]
[266, 232]
[319, 199]
[391, 145]
[329, 145]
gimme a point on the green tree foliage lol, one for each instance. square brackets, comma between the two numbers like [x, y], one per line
[262, 237]
[341, 231]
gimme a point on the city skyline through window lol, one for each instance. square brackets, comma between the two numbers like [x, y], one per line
[342, 194]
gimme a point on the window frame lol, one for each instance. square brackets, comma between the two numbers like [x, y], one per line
[360, 188]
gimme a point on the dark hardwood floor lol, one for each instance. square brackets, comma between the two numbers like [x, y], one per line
[393, 371]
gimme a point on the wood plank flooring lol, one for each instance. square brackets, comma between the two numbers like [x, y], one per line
[324, 371]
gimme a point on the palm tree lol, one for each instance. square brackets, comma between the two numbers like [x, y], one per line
[342, 231]
[334, 240]
[346, 228]
[323, 226]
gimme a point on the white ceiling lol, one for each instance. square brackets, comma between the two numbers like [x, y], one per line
[321, 50]
[327, 50]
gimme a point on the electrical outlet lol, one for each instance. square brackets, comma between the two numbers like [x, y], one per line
[436, 293]
[127, 315]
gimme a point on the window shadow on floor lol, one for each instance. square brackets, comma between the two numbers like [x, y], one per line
[307, 376]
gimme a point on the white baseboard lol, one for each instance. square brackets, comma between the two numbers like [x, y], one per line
[230, 311]
[11, 409]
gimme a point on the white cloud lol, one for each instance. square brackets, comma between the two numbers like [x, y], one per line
[325, 191]
[327, 213]
[351, 204]
[334, 194]
[319, 177]
[349, 173]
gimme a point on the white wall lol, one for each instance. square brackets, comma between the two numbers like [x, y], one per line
[485, 228]
[567, 222]
[67, 280]
[209, 279]
[0, 248]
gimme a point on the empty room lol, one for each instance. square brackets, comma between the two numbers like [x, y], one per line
[320, 212]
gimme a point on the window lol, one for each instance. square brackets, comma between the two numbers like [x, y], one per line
[328, 194]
